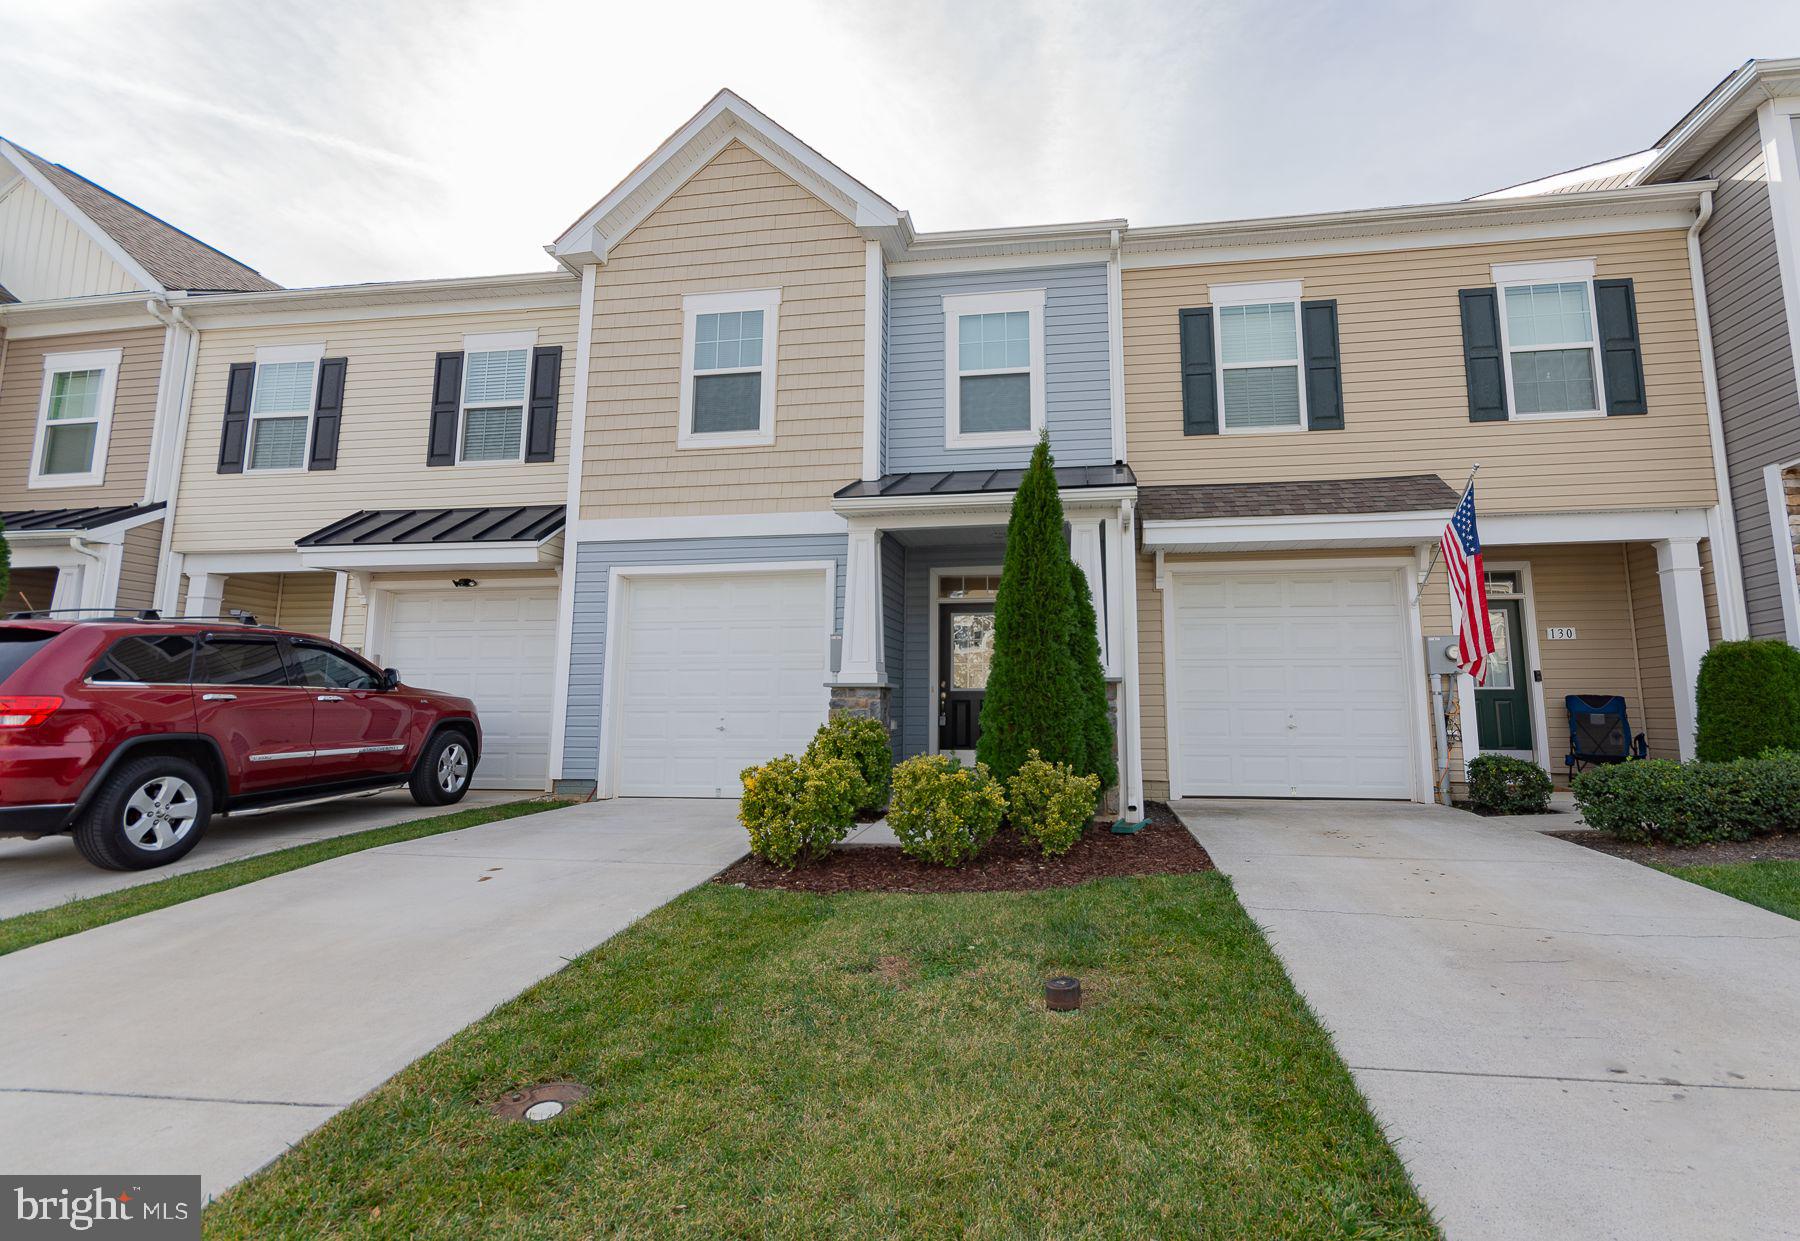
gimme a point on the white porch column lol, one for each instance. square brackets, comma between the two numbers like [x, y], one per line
[1084, 550]
[860, 661]
[1684, 623]
[206, 593]
[70, 579]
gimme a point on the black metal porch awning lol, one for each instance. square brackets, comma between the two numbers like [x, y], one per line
[980, 482]
[531, 523]
[73, 520]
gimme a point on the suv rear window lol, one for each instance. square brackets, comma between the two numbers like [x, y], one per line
[19, 645]
[165, 659]
[240, 661]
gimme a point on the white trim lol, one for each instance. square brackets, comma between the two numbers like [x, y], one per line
[105, 240]
[692, 307]
[1728, 563]
[495, 342]
[1009, 301]
[861, 656]
[106, 361]
[170, 562]
[275, 355]
[1787, 576]
[400, 556]
[1255, 293]
[1392, 529]
[565, 602]
[1684, 627]
[619, 580]
[874, 320]
[1775, 121]
[704, 526]
[1507, 348]
[1402, 568]
[1526, 598]
[1264, 293]
[266, 354]
[18, 328]
[973, 508]
[1131, 770]
[500, 342]
[230, 564]
[1115, 352]
[1619, 526]
[934, 627]
[213, 312]
[1545, 271]
[340, 593]
[1024, 260]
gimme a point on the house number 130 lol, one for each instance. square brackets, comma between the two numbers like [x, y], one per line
[1557, 633]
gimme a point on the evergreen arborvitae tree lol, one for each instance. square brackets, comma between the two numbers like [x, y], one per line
[1032, 698]
[1090, 682]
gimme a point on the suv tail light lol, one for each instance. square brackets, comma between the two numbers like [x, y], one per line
[20, 712]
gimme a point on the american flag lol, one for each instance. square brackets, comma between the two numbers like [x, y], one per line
[1468, 589]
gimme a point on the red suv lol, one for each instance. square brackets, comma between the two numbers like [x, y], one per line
[132, 732]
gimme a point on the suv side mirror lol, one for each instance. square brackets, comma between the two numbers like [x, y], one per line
[390, 678]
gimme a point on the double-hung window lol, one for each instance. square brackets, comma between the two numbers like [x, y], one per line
[994, 372]
[1547, 318]
[491, 422]
[728, 369]
[1257, 329]
[281, 406]
[74, 419]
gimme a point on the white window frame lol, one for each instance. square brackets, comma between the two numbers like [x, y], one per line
[1259, 293]
[1563, 271]
[106, 360]
[693, 305]
[267, 355]
[956, 305]
[495, 342]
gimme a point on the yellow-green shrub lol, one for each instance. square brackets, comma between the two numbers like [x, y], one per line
[795, 809]
[942, 811]
[864, 742]
[1049, 803]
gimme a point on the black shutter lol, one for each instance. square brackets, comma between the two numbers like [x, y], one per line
[1324, 374]
[1483, 363]
[237, 417]
[446, 397]
[328, 414]
[1199, 387]
[1621, 356]
[540, 421]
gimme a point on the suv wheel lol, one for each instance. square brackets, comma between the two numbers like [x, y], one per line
[443, 771]
[150, 812]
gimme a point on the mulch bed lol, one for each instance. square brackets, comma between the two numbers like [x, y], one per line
[1761, 849]
[1008, 864]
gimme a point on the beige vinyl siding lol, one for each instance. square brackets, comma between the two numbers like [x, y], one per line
[1655, 717]
[356, 615]
[738, 223]
[299, 601]
[137, 566]
[1710, 584]
[134, 415]
[256, 593]
[1405, 397]
[382, 440]
[45, 254]
[28, 590]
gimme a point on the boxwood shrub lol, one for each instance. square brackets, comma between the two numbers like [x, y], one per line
[1666, 802]
[944, 812]
[864, 742]
[1049, 804]
[1501, 784]
[797, 809]
[1747, 700]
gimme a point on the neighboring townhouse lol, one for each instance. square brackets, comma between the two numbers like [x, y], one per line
[388, 464]
[1304, 400]
[93, 350]
[1744, 135]
[802, 429]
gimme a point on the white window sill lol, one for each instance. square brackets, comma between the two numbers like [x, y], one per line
[51, 482]
[275, 469]
[520, 460]
[1558, 415]
[725, 439]
[1225, 430]
[993, 439]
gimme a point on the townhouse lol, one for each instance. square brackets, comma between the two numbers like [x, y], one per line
[93, 352]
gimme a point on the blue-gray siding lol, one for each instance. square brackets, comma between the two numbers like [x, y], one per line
[1077, 386]
[1758, 402]
[916, 692]
[594, 563]
[893, 614]
[881, 427]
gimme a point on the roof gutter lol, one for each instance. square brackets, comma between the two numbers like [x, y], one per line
[1733, 611]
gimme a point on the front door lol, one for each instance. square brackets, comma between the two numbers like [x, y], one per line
[965, 654]
[1503, 705]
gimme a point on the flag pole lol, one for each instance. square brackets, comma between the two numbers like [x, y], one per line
[1437, 548]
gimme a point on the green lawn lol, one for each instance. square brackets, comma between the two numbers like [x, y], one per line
[46, 924]
[782, 1064]
[1773, 885]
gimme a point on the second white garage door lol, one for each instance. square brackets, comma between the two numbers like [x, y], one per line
[1290, 684]
[716, 672]
[496, 646]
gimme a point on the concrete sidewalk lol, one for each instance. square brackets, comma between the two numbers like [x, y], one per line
[209, 1036]
[37, 874]
[1559, 1043]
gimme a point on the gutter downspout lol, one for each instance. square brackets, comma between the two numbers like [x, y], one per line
[89, 589]
[1728, 569]
[168, 577]
[1129, 715]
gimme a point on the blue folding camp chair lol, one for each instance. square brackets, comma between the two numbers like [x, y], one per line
[1600, 732]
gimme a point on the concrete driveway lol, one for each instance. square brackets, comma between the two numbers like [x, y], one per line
[1559, 1043]
[209, 1036]
[36, 874]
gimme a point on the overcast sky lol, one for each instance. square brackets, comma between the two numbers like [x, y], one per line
[334, 141]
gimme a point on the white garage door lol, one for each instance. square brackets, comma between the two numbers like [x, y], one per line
[716, 672]
[497, 647]
[1290, 684]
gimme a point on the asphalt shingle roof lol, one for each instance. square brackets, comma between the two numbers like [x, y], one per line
[1406, 493]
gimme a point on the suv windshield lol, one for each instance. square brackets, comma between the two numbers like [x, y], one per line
[19, 645]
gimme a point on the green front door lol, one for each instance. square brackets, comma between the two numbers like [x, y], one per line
[1503, 705]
